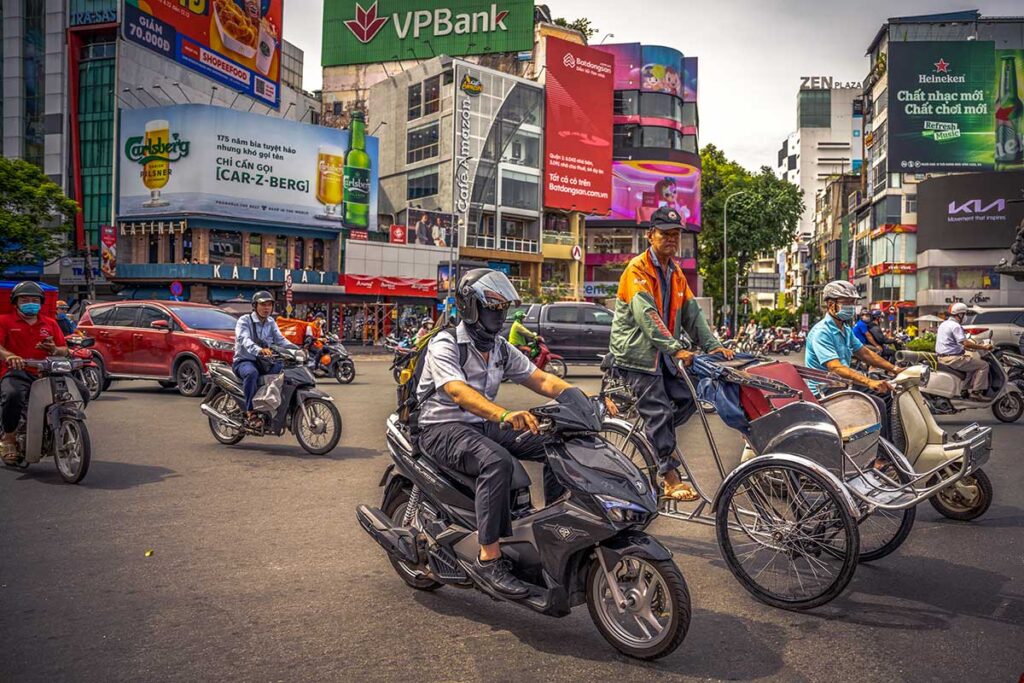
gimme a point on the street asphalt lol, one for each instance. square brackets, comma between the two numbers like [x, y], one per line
[259, 572]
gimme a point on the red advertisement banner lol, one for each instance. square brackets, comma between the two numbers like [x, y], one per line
[894, 268]
[578, 128]
[389, 286]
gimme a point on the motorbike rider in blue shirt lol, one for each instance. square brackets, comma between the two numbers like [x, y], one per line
[255, 333]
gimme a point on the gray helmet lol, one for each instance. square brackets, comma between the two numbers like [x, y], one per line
[840, 289]
[27, 288]
[261, 296]
[484, 287]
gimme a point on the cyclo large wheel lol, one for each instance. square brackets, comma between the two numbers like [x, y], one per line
[787, 535]
[883, 531]
[634, 445]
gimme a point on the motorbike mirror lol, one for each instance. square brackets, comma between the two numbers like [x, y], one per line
[686, 341]
[87, 342]
[160, 325]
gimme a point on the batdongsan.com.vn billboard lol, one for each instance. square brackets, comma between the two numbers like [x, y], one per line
[954, 106]
[578, 128]
[234, 42]
[374, 31]
[194, 159]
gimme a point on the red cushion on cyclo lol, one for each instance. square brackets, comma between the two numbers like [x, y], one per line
[754, 401]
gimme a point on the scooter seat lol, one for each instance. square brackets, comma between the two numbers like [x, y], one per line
[520, 478]
[953, 371]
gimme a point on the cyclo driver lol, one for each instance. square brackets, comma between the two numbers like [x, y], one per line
[831, 346]
[24, 334]
[461, 424]
[255, 333]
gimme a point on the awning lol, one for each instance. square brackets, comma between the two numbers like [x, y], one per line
[372, 285]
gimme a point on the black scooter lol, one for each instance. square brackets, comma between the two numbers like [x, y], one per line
[587, 546]
[308, 412]
[330, 358]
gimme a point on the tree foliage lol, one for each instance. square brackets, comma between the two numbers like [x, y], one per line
[582, 25]
[36, 218]
[761, 220]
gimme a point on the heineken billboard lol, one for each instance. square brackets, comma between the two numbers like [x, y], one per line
[954, 106]
[373, 31]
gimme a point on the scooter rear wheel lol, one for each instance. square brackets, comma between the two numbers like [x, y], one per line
[1009, 408]
[413, 577]
[657, 613]
[345, 372]
[635, 446]
[222, 402]
[953, 503]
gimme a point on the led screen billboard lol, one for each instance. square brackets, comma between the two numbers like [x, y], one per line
[199, 159]
[237, 43]
[970, 211]
[639, 188]
[374, 31]
[578, 128]
[954, 106]
[651, 68]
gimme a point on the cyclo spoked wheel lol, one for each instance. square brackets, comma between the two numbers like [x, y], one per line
[883, 531]
[787, 535]
[72, 450]
[657, 614]
[634, 445]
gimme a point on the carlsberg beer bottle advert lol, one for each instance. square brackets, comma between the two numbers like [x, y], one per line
[193, 159]
[954, 106]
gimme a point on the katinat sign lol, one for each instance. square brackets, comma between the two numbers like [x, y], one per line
[972, 211]
[365, 32]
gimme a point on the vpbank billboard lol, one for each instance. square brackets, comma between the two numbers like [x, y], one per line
[372, 31]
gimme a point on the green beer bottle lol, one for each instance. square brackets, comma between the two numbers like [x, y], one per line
[357, 175]
[1009, 116]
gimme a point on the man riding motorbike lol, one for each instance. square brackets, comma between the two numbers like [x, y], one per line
[831, 346]
[957, 351]
[863, 328]
[521, 337]
[426, 325]
[24, 335]
[654, 305]
[255, 333]
[886, 345]
[461, 425]
[67, 325]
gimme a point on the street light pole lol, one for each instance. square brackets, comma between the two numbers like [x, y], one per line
[725, 254]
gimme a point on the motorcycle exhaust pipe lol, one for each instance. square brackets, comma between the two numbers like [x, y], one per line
[210, 412]
[399, 542]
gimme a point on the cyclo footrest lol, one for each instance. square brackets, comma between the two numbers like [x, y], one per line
[872, 488]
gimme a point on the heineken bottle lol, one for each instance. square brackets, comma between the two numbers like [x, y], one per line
[357, 175]
[1009, 116]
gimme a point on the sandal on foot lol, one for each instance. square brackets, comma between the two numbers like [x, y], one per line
[681, 492]
[9, 454]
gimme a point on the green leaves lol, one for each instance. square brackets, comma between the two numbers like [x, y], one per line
[36, 218]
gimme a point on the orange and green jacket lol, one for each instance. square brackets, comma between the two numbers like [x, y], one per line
[638, 331]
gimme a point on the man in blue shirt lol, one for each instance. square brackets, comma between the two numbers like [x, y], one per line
[255, 333]
[831, 345]
[860, 330]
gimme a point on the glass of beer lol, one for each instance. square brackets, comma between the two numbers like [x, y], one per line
[156, 169]
[330, 164]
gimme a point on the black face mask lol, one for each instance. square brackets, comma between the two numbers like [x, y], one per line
[485, 329]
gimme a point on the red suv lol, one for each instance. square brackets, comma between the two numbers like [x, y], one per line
[165, 341]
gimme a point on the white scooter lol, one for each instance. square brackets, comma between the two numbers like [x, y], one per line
[946, 389]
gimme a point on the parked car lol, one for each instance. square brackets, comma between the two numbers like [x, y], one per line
[166, 341]
[577, 331]
[1003, 326]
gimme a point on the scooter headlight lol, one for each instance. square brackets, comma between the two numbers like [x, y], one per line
[925, 374]
[622, 511]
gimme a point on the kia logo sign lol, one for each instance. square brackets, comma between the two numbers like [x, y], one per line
[972, 209]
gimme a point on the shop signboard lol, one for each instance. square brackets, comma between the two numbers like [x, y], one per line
[108, 250]
[892, 268]
[578, 128]
[390, 286]
[236, 43]
[194, 159]
[428, 228]
[955, 106]
[970, 211]
[398, 234]
[639, 188]
[375, 31]
[72, 272]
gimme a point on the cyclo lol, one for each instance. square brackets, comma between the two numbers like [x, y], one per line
[816, 490]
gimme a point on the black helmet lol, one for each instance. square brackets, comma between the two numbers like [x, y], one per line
[261, 296]
[484, 287]
[27, 288]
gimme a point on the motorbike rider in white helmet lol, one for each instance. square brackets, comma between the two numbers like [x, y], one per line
[958, 352]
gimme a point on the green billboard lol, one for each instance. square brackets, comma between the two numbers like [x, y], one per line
[954, 106]
[375, 31]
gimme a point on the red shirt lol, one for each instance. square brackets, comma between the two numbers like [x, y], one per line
[20, 338]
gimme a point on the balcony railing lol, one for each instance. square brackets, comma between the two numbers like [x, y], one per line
[522, 246]
[558, 237]
[522, 284]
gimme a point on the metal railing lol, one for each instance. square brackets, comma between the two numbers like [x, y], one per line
[558, 237]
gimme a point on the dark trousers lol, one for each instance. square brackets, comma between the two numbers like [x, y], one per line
[249, 372]
[14, 388]
[664, 401]
[484, 451]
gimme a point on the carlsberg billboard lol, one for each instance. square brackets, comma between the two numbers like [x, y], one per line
[954, 106]
[373, 31]
[194, 159]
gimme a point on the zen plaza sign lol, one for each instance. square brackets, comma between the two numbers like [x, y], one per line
[363, 32]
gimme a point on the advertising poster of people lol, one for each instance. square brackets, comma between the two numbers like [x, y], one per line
[955, 106]
[197, 159]
[639, 188]
[651, 68]
[235, 42]
[431, 228]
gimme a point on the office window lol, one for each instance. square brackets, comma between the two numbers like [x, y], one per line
[281, 251]
[96, 133]
[422, 183]
[519, 190]
[626, 136]
[225, 248]
[422, 143]
[415, 101]
[318, 254]
[625, 103]
[431, 95]
[814, 109]
[256, 250]
[523, 150]
[661, 105]
[910, 203]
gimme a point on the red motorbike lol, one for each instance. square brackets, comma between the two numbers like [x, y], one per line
[544, 359]
[89, 374]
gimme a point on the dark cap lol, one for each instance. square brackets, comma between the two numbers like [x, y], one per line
[666, 218]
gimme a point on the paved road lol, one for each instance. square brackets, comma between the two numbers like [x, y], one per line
[259, 572]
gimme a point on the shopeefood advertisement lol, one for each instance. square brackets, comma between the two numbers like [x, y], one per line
[197, 159]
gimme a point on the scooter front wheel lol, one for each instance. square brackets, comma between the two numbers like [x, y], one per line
[656, 616]
[556, 367]
[317, 426]
[72, 450]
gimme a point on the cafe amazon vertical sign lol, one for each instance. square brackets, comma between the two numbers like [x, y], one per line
[374, 31]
